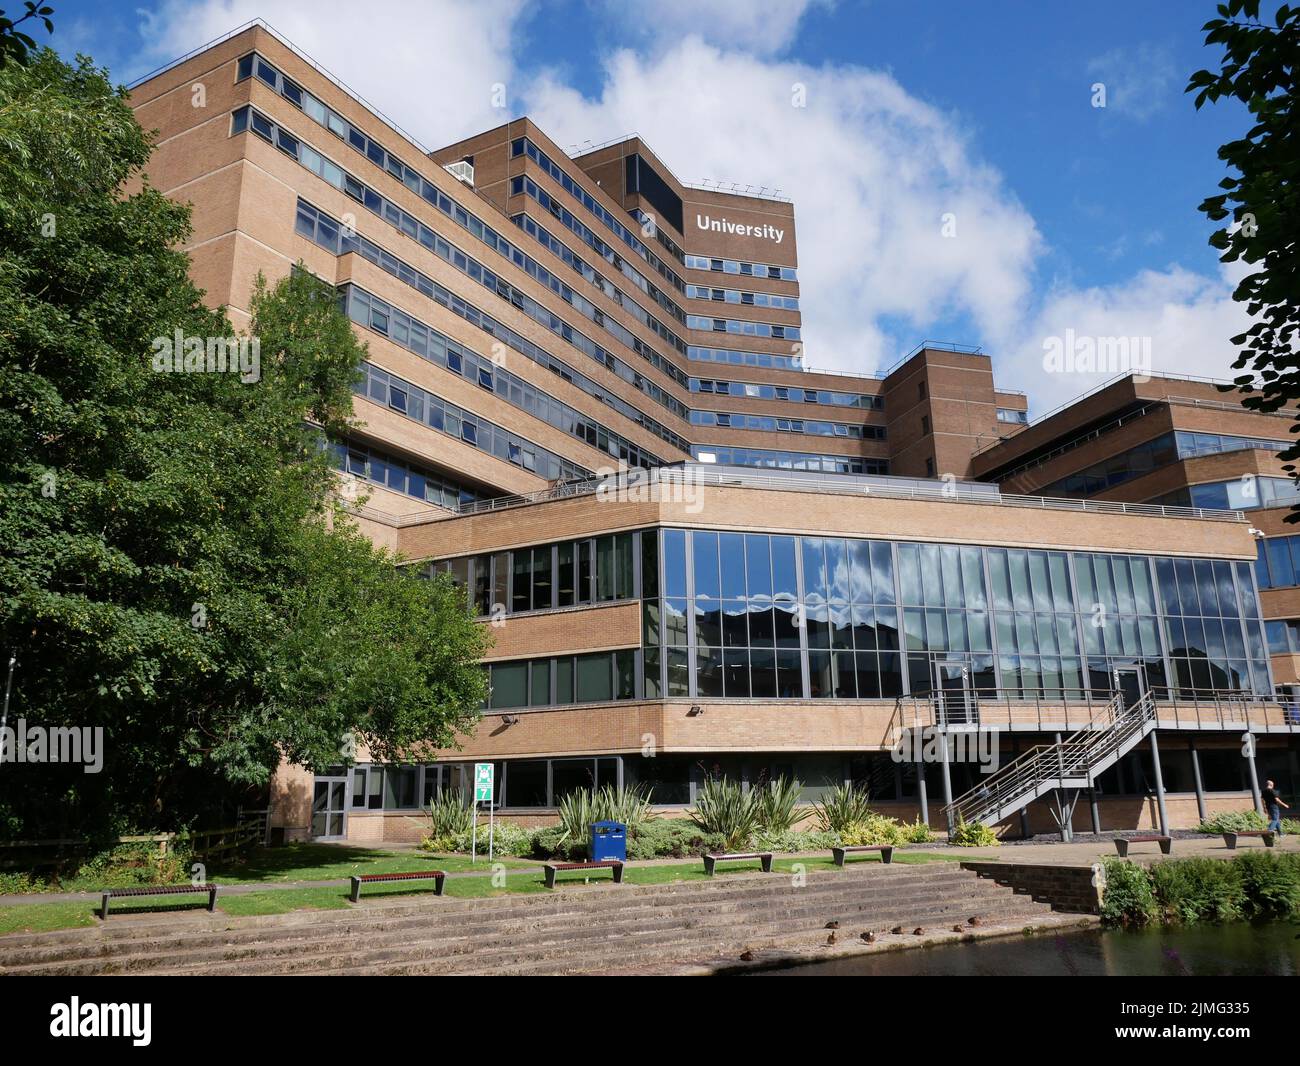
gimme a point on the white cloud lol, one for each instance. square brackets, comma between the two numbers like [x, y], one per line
[1140, 80]
[873, 170]
[429, 67]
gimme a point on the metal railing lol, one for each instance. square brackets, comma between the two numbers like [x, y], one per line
[1073, 763]
[1051, 709]
[702, 474]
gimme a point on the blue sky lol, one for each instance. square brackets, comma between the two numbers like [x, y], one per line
[1073, 217]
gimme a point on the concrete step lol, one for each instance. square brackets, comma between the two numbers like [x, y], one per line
[379, 915]
[589, 927]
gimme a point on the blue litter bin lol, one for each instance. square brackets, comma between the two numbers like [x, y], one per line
[608, 841]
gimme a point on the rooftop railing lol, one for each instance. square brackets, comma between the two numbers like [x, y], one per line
[699, 475]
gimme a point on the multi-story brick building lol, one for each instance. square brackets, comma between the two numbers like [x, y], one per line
[821, 562]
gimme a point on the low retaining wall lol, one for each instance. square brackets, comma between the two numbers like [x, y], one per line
[1073, 889]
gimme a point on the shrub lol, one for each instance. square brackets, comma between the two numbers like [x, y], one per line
[577, 810]
[16, 884]
[841, 806]
[1128, 897]
[723, 807]
[872, 828]
[1232, 821]
[631, 806]
[1270, 883]
[918, 832]
[795, 840]
[127, 865]
[1198, 890]
[676, 838]
[972, 835]
[450, 814]
[777, 800]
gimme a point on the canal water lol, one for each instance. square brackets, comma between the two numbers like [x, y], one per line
[1228, 951]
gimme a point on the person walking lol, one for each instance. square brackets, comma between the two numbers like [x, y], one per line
[1273, 804]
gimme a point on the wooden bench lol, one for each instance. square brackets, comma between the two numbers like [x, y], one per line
[437, 876]
[1230, 839]
[1122, 843]
[764, 858]
[157, 890]
[886, 851]
[553, 868]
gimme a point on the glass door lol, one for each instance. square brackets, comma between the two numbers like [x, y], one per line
[328, 807]
[953, 692]
[1131, 683]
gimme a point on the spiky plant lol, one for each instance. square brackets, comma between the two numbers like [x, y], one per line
[725, 808]
[777, 801]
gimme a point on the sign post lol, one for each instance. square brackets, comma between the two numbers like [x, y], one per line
[483, 790]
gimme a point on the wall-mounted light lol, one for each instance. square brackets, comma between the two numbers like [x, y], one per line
[510, 719]
[695, 711]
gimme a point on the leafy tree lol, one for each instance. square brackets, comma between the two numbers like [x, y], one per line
[172, 566]
[15, 45]
[1261, 202]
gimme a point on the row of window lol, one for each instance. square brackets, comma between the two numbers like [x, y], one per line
[388, 321]
[388, 470]
[436, 413]
[601, 677]
[1246, 493]
[319, 227]
[1277, 562]
[788, 392]
[567, 574]
[1010, 414]
[811, 594]
[1147, 456]
[734, 266]
[745, 328]
[771, 423]
[522, 146]
[779, 460]
[381, 157]
[732, 357]
[745, 299]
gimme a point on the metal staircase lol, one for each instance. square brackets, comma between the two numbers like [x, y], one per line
[1069, 766]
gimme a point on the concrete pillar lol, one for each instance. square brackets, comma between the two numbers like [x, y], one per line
[1160, 784]
[1196, 780]
[1024, 822]
[920, 791]
[947, 776]
[1254, 773]
[1067, 829]
[1096, 811]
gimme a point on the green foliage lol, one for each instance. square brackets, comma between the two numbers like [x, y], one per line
[794, 840]
[918, 832]
[872, 828]
[777, 801]
[127, 865]
[1270, 883]
[1198, 890]
[725, 808]
[1260, 204]
[173, 566]
[842, 806]
[450, 816]
[15, 45]
[973, 835]
[1128, 898]
[1254, 885]
[1232, 821]
[580, 808]
[676, 838]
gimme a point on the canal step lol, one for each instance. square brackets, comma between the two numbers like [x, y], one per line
[125, 934]
[595, 926]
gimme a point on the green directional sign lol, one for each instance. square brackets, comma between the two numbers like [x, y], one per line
[482, 782]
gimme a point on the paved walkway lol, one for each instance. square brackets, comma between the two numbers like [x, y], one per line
[1084, 851]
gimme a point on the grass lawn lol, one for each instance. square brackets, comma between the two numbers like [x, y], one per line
[323, 861]
[328, 862]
